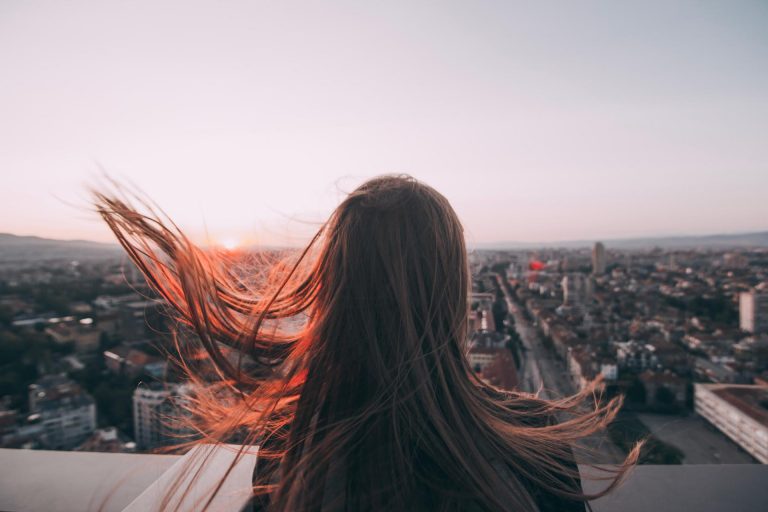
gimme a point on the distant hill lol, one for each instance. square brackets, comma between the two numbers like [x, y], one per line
[33, 248]
[740, 240]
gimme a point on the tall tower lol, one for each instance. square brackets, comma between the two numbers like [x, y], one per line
[753, 311]
[598, 259]
[574, 290]
[146, 420]
[158, 415]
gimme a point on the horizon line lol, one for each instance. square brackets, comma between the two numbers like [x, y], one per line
[480, 245]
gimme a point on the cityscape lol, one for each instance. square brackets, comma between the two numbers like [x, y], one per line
[606, 165]
[682, 334]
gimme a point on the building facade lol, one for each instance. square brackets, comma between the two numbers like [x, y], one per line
[737, 411]
[66, 413]
[598, 259]
[158, 415]
[574, 290]
[753, 311]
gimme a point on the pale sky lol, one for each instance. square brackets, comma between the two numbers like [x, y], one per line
[539, 121]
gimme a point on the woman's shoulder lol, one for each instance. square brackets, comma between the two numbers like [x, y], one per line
[531, 411]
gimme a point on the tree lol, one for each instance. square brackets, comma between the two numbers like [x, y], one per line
[664, 396]
[636, 392]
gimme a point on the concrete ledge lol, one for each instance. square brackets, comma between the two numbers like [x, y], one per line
[688, 488]
[35, 480]
[80, 481]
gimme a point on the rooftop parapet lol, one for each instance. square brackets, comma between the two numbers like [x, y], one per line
[68, 481]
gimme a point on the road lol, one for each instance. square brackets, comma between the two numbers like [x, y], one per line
[539, 370]
[542, 371]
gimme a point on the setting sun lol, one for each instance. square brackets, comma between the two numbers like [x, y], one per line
[230, 244]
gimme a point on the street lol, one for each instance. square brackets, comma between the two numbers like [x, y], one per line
[539, 370]
[543, 372]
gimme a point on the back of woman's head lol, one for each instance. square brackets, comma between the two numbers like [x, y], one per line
[346, 362]
[391, 310]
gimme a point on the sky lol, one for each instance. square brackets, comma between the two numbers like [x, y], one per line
[250, 120]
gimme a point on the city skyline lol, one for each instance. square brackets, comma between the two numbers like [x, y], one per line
[735, 240]
[248, 121]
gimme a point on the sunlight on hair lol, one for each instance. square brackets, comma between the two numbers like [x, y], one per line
[371, 391]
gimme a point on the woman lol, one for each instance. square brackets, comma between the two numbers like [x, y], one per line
[370, 404]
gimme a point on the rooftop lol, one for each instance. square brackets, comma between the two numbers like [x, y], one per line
[68, 481]
[752, 401]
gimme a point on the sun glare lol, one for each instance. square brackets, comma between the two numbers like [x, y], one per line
[230, 244]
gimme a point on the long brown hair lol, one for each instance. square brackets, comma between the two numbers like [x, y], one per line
[357, 387]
